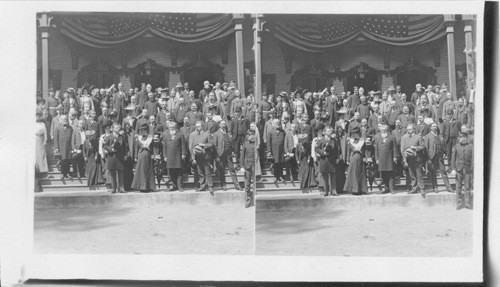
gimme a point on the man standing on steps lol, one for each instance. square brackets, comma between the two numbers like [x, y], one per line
[62, 145]
[434, 145]
[248, 155]
[174, 151]
[276, 149]
[329, 152]
[115, 148]
[201, 148]
[386, 157]
[224, 147]
[411, 146]
[462, 162]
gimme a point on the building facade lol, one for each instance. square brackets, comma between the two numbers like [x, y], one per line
[66, 58]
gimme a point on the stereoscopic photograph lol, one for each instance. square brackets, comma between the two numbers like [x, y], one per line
[367, 141]
[276, 138]
[145, 138]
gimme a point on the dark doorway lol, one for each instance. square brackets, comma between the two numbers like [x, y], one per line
[369, 82]
[197, 75]
[408, 80]
[156, 78]
[313, 83]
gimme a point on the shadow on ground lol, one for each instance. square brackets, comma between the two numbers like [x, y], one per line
[274, 222]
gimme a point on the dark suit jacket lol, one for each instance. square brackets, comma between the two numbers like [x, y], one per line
[218, 138]
[76, 140]
[62, 141]
[328, 150]
[238, 127]
[385, 152]
[450, 130]
[174, 148]
[276, 144]
[211, 126]
[248, 155]
[462, 158]
[115, 159]
[431, 144]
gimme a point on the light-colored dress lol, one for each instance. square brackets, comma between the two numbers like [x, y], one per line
[41, 152]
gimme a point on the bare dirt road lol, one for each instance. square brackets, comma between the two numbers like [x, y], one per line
[196, 229]
[422, 231]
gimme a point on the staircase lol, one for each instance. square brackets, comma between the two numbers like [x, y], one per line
[51, 182]
[267, 187]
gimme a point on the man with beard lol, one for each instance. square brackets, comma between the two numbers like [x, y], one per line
[201, 149]
[248, 110]
[276, 149]
[393, 114]
[203, 95]
[62, 145]
[194, 115]
[175, 152]
[406, 118]
[225, 148]
[434, 146]
[386, 157]
[422, 127]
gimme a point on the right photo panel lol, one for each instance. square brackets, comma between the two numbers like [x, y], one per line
[366, 134]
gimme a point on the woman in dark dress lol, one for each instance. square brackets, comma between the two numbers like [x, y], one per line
[93, 167]
[144, 178]
[307, 173]
[356, 173]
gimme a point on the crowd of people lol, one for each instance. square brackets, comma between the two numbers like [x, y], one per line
[133, 140]
[343, 143]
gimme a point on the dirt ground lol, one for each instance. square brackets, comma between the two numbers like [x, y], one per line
[214, 230]
[389, 232]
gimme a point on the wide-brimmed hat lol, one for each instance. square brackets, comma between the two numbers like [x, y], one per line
[129, 108]
[391, 88]
[179, 85]
[342, 111]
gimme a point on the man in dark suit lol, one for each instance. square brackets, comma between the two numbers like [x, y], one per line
[328, 151]
[406, 118]
[451, 129]
[225, 148]
[422, 128]
[92, 126]
[77, 139]
[118, 103]
[175, 152]
[434, 146]
[201, 147]
[115, 147]
[276, 149]
[462, 161]
[398, 133]
[248, 160]
[317, 123]
[62, 145]
[102, 118]
[210, 124]
[332, 106]
[142, 96]
[386, 157]
[238, 127]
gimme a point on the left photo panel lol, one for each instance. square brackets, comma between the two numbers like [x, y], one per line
[145, 134]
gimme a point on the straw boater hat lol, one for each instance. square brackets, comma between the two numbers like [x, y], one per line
[179, 85]
[391, 88]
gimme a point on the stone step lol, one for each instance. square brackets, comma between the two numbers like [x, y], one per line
[56, 181]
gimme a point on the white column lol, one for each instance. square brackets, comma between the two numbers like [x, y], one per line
[238, 27]
[449, 21]
[257, 31]
[44, 25]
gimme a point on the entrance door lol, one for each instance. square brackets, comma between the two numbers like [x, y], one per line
[156, 78]
[197, 75]
[368, 81]
[408, 80]
[313, 83]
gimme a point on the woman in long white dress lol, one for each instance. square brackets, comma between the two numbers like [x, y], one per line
[41, 144]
